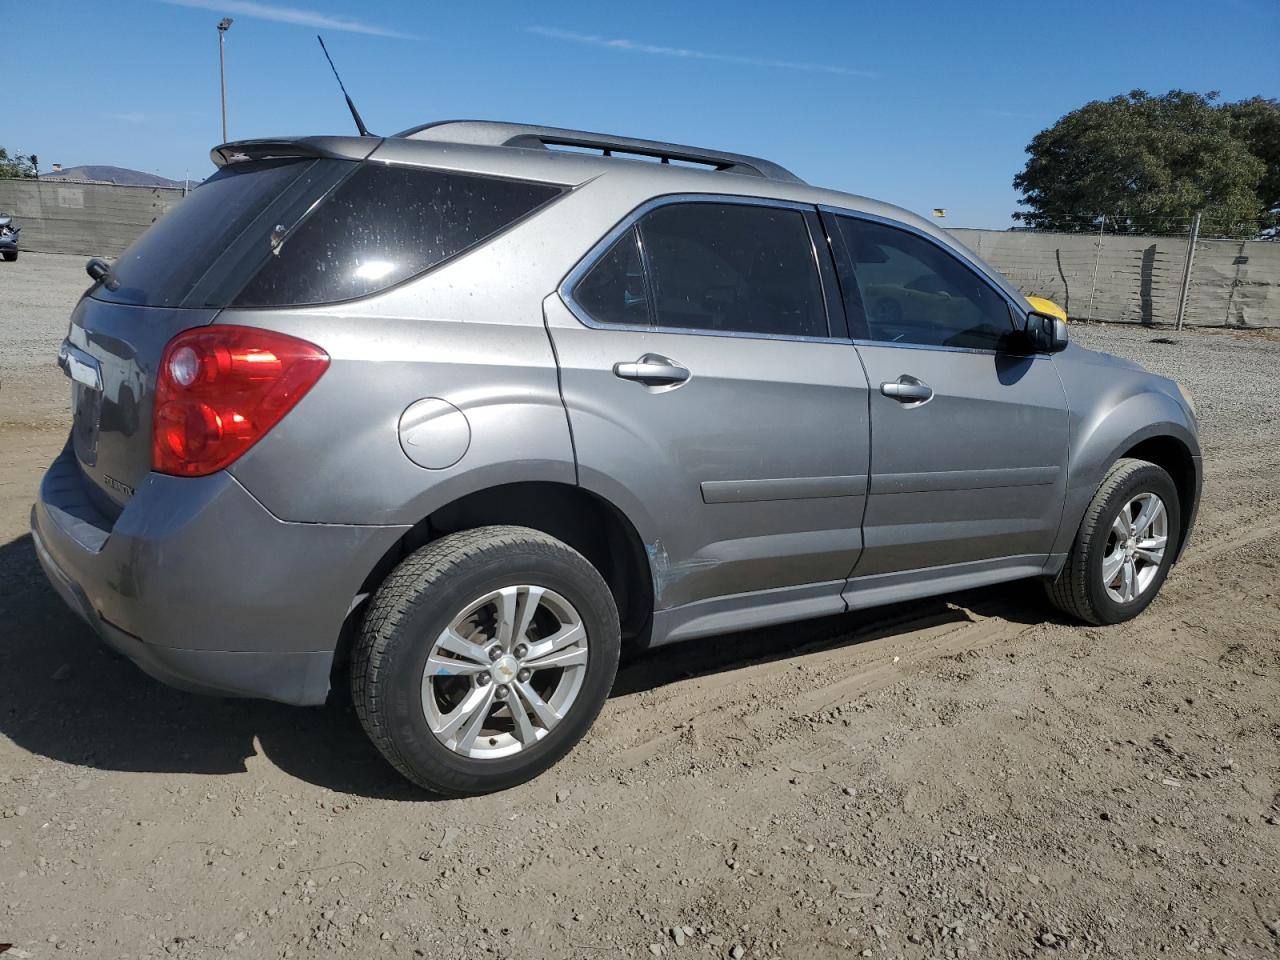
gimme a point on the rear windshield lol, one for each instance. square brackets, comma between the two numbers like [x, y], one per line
[303, 231]
[164, 266]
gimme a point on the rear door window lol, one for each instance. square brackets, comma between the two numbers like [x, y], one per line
[734, 268]
[385, 224]
[614, 289]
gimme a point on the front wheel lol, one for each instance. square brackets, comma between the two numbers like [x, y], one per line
[10, 255]
[483, 658]
[1124, 548]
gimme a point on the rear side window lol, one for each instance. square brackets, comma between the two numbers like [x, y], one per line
[384, 224]
[305, 231]
[707, 266]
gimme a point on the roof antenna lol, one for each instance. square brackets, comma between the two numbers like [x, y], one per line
[355, 114]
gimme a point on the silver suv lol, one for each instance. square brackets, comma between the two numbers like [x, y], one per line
[455, 416]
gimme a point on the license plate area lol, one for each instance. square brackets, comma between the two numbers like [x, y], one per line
[85, 374]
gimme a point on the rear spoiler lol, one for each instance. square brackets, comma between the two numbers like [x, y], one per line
[338, 148]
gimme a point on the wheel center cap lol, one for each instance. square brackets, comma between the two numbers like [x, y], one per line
[1131, 545]
[504, 669]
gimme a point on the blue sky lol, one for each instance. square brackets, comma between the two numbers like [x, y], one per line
[921, 104]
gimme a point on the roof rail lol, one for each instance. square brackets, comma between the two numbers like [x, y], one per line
[497, 134]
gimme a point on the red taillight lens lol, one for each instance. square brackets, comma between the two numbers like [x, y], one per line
[220, 389]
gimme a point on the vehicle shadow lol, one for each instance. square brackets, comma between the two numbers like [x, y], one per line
[1017, 602]
[66, 696]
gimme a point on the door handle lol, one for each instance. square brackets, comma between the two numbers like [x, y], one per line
[653, 371]
[907, 389]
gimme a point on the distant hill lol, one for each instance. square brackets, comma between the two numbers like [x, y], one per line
[121, 175]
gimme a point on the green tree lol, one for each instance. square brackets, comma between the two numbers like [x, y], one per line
[1148, 163]
[16, 165]
[1257, 122]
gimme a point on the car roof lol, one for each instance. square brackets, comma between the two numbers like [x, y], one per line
[559, 156]
[499, 134]
[573, 158]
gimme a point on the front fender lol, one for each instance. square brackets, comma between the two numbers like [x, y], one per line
[1108, 419]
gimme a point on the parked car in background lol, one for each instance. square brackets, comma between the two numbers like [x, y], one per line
[449, 417]
[9, 237]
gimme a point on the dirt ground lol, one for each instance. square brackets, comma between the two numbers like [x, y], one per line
[966, 777]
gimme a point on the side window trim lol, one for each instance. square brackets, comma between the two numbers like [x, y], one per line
[631, 222]
[837, 322]
[862, 336]
[646, 274]
[850, 292]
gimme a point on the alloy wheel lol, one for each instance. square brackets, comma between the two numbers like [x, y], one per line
[1135, 548]
[504, 672]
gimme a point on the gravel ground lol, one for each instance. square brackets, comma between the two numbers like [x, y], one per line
[968, 776]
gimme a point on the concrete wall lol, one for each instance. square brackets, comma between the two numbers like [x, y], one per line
[1235, 283]
[1133, 279]
[1118, 278]
[85, 219]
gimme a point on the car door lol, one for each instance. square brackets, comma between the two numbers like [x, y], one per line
[711, 400]
[969, 435]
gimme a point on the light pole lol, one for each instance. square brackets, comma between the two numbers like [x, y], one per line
[223, 26]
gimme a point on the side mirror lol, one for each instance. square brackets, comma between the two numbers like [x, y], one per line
[1045, 334]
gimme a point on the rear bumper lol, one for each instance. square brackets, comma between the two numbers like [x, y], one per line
[298, 678]
[202, 587]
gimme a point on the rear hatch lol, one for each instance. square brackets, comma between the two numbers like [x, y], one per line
[111, 355]
[179, 274]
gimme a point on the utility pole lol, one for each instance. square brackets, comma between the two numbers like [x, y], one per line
[223, 26]
[1186, 271]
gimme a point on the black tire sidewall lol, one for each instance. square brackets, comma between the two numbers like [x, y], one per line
[435, 606]
[1147, 479]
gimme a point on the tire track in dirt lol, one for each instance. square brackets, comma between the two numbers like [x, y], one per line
[1199, 554]
[754, 696]
[757, 701]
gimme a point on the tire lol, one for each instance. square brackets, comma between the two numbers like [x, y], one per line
[1081, 589]
[11, 255]
[398, 702]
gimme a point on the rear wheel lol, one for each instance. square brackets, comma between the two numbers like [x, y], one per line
[483, 658]
[11, 255]
[1124, 548]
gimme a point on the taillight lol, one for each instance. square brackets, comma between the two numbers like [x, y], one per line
[220, 389]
